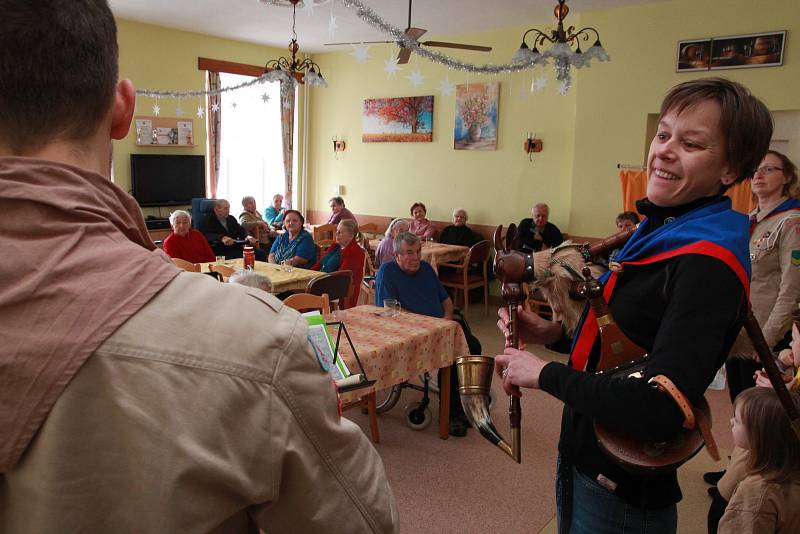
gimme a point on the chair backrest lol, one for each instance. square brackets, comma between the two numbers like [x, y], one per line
[305, 301]
[370, 230]
[202, 209]
[186, 265]
[336, 285]
[478, 253]
[224, 270]
[324, 231]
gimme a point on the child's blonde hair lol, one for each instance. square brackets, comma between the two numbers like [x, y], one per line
[774, 448]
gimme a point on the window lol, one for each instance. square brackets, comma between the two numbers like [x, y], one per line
[250, 140]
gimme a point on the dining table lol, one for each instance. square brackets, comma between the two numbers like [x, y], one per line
[394, 348]
[282, 279]
[435, 253]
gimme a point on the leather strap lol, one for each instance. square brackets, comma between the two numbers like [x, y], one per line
[691, 418]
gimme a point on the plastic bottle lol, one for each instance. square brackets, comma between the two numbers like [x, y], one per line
[249, 258]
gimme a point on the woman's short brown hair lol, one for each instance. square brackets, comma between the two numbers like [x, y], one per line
[789, 171]
[287, 212]
[744, 120]
[418, 205]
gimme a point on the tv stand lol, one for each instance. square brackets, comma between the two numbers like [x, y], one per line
[156, 223]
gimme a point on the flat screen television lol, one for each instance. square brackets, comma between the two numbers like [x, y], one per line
[167, 180]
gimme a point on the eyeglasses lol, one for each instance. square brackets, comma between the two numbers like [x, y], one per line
[768, 169]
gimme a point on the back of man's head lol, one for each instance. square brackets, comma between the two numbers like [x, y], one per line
[58, 70]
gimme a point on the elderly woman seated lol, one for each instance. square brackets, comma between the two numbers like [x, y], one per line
[385, 251]
[459, 233]
[420, 226]
[252, 221]
[295, 246]
[345, 254]
[274, 214]
[185, 242]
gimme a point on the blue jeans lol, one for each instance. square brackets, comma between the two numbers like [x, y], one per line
[596, 510]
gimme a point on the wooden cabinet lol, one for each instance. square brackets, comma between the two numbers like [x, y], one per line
[159, 235]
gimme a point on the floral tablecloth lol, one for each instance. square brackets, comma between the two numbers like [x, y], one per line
[395, 349]
[281, 280]
[435, 253]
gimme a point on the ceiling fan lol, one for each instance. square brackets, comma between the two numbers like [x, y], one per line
[415, 34]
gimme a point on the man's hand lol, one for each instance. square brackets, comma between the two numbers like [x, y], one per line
[252, 240]
[518, 368]
[227, 241]
[531, 327]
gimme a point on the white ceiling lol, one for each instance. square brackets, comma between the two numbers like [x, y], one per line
[253, 21]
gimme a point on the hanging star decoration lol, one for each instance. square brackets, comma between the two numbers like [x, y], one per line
[156, 110]
[215, 108]
[416, 79]
[445, 87]
[332, 25]
[390, 66]
[234, 105]
[538, 83]
[200, 112]
[361, 53]
[308, 8]
[264, 97]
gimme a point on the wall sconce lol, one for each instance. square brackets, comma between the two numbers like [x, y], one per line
[338, 146]
[532, 145]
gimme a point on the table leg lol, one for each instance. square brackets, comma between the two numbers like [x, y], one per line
[444, 403]
[373, 418]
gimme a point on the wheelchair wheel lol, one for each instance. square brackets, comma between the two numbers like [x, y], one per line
[418, 418]
[386, 399]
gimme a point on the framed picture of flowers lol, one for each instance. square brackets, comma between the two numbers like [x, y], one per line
[476, 116]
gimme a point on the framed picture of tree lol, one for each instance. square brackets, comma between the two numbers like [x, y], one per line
[407, 119]
[476, 116]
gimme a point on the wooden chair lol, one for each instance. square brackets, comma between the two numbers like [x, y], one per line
[336, 285]
[323, 244]
[369, 230]
[186, 266]
[536, 302]
[324, 231]
[367, 295]
[224, 270]
[306, 301]
[462, 280]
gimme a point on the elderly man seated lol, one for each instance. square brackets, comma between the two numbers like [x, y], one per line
[185, 242]
[226, 236]
[536, 233]
[416, 286]
[459, 233]
[254, 224]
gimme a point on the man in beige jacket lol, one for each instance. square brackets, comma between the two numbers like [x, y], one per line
[123, 408]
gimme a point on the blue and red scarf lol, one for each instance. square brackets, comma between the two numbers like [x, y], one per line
[712, 230]
[790, 204]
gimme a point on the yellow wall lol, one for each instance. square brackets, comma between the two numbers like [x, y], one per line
[161, 58]
[386, 178]
[599, 124]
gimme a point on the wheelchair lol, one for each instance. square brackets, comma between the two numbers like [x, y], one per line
[417, 414]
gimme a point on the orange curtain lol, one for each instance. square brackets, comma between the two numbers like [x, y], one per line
[742, 197]
[634, 187]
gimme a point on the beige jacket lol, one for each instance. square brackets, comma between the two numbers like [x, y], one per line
[760, 507]
[204, 409]
[775, 283]
[249, 222]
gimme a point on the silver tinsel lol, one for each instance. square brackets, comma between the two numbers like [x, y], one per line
[155, 93]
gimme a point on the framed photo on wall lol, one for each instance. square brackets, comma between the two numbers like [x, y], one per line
[694, 54]
[407, 119]
[746, 51]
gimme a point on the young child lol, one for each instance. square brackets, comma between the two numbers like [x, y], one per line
[768, 498]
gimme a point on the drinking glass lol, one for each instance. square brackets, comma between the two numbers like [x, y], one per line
[392, 307]
[287, 266]
[220, 260]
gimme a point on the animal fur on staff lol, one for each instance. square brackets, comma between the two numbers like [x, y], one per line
[554, 270]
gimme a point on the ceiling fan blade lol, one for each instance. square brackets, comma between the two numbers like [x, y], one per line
[403, 56]
[443, 44]
[359, 43]
[415, 33]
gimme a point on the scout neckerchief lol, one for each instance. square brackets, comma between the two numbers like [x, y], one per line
[711, 230]
[790, 204]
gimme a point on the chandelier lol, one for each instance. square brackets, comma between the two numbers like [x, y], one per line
[290, 70]
[562, 54]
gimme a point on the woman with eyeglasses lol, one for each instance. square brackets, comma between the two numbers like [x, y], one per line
[775, 256]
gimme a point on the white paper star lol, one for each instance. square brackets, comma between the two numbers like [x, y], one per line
[215, 108]
[390, 66]
[361, 53]
[234, 105]
[416, 79]
[264, 97]
[200, 112]
[445, 87]
[308, 8]
[156, 110]
[332, 26]
[537, 84]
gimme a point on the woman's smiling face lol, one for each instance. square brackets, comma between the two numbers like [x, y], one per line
[687, 158]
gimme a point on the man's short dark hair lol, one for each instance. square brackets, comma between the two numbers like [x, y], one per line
[58, 70]
[631, 216]
[744, 120]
